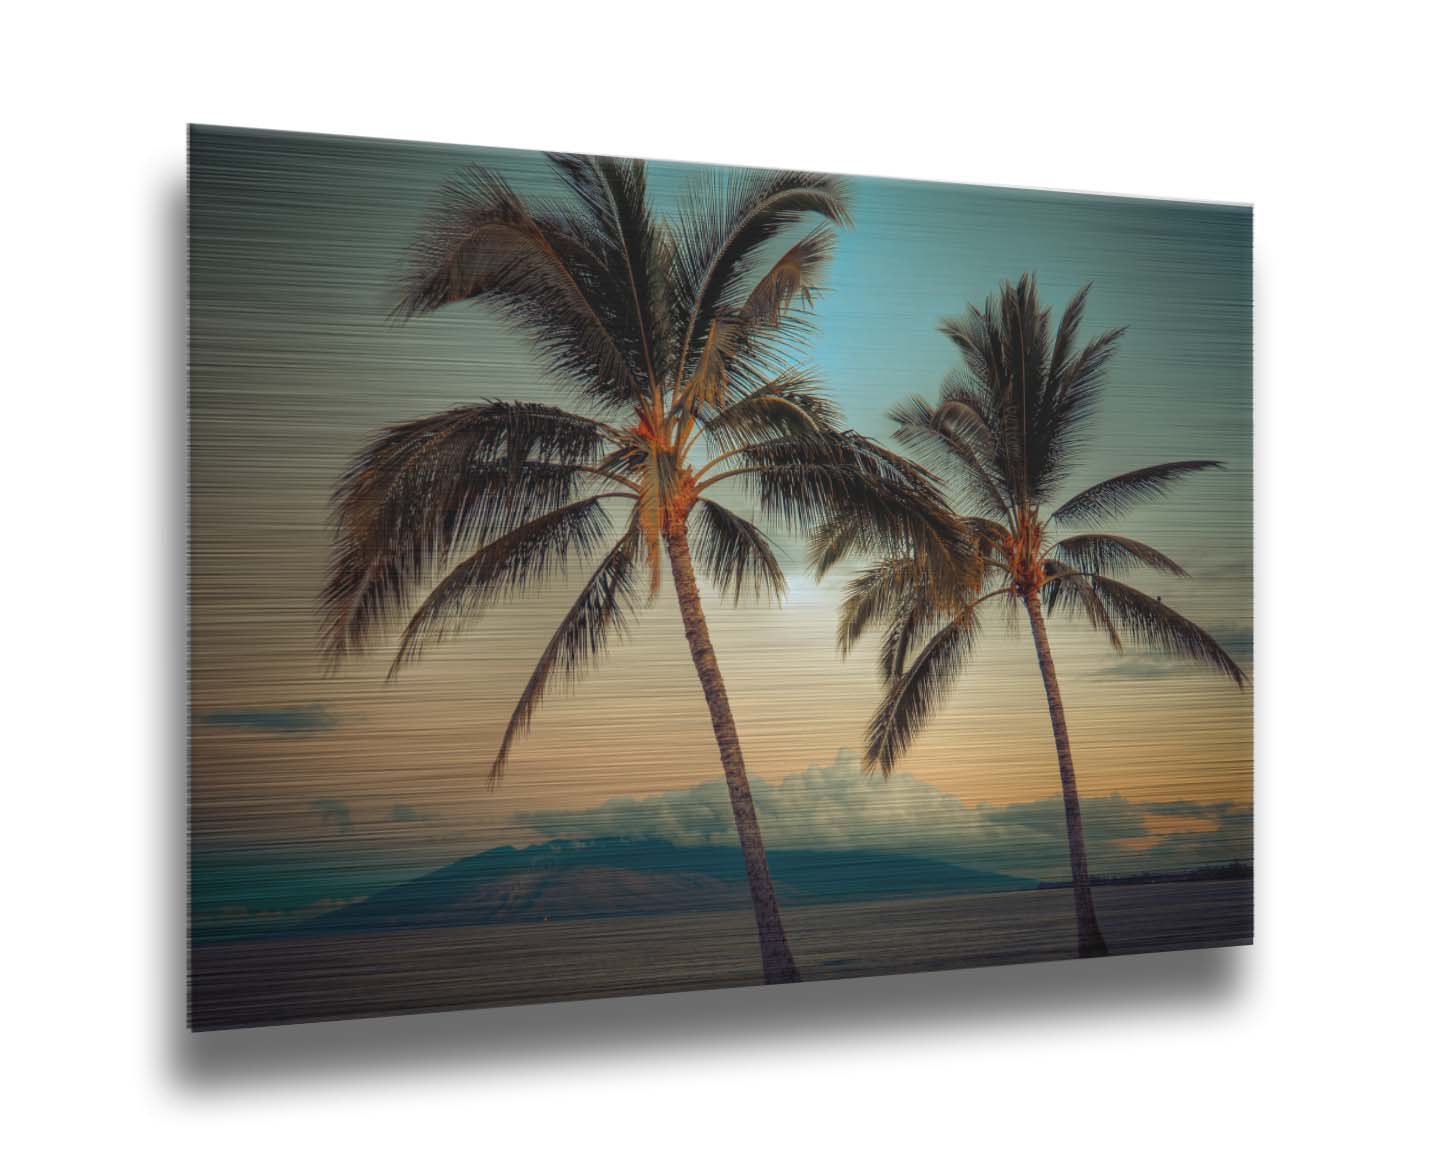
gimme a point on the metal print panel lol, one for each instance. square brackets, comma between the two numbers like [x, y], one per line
[613, 577]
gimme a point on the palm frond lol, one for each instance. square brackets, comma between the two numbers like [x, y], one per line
[547, 273]
[1106, 553]
[743, 346]
[1150, 622]
[1033, 398]
[723, 231]
[709, 383]
[834, 539]
[538, 549]
[1072, 591]
[791, 405]
[1075, 384]
[862, 498]
[991, 537]
[941, 439]
[631, 244]
[600, 612]
[375, 563]
[802, 478]
[425, 489]
[734, 554]
[1066, 333]
[984, 338]
[1070, 399]
[914, 694]
[916, 617]
[627, 458]
[1120, 493]
[436, 447]
[878, 592]
[796, 275]
[773, 327]
[945, 555]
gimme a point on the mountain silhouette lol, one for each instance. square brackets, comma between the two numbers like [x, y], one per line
[574, 879]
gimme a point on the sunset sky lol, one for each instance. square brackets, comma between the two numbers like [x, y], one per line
[308, 788]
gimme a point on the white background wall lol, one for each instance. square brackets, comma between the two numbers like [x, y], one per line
[1323, 116]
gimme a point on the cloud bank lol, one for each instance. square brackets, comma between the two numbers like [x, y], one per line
[836, 807]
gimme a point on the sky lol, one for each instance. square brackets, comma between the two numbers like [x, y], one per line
[308, 787]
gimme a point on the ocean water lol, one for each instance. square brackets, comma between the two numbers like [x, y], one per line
[298, 978]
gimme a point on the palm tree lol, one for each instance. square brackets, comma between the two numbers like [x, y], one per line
[1004, 433]
[677, 342]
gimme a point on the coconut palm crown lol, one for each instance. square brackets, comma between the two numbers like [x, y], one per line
[1002, 436]
[676, 342]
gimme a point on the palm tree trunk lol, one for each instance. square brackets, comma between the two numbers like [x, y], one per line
[1091, 942]
[779, 964]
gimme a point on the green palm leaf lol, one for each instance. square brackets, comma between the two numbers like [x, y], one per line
[1072, 591]
[602, 609]
[913, 695]
[425, 489]
[791, 405]
[540, 549]
[735, 554]
[1119, 494]
[1106, 553]
[1161, 627]
[727, 224]
[878, 593]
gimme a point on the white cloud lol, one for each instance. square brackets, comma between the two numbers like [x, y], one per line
[838, 807]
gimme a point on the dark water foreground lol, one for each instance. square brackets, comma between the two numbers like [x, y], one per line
[287, 980]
